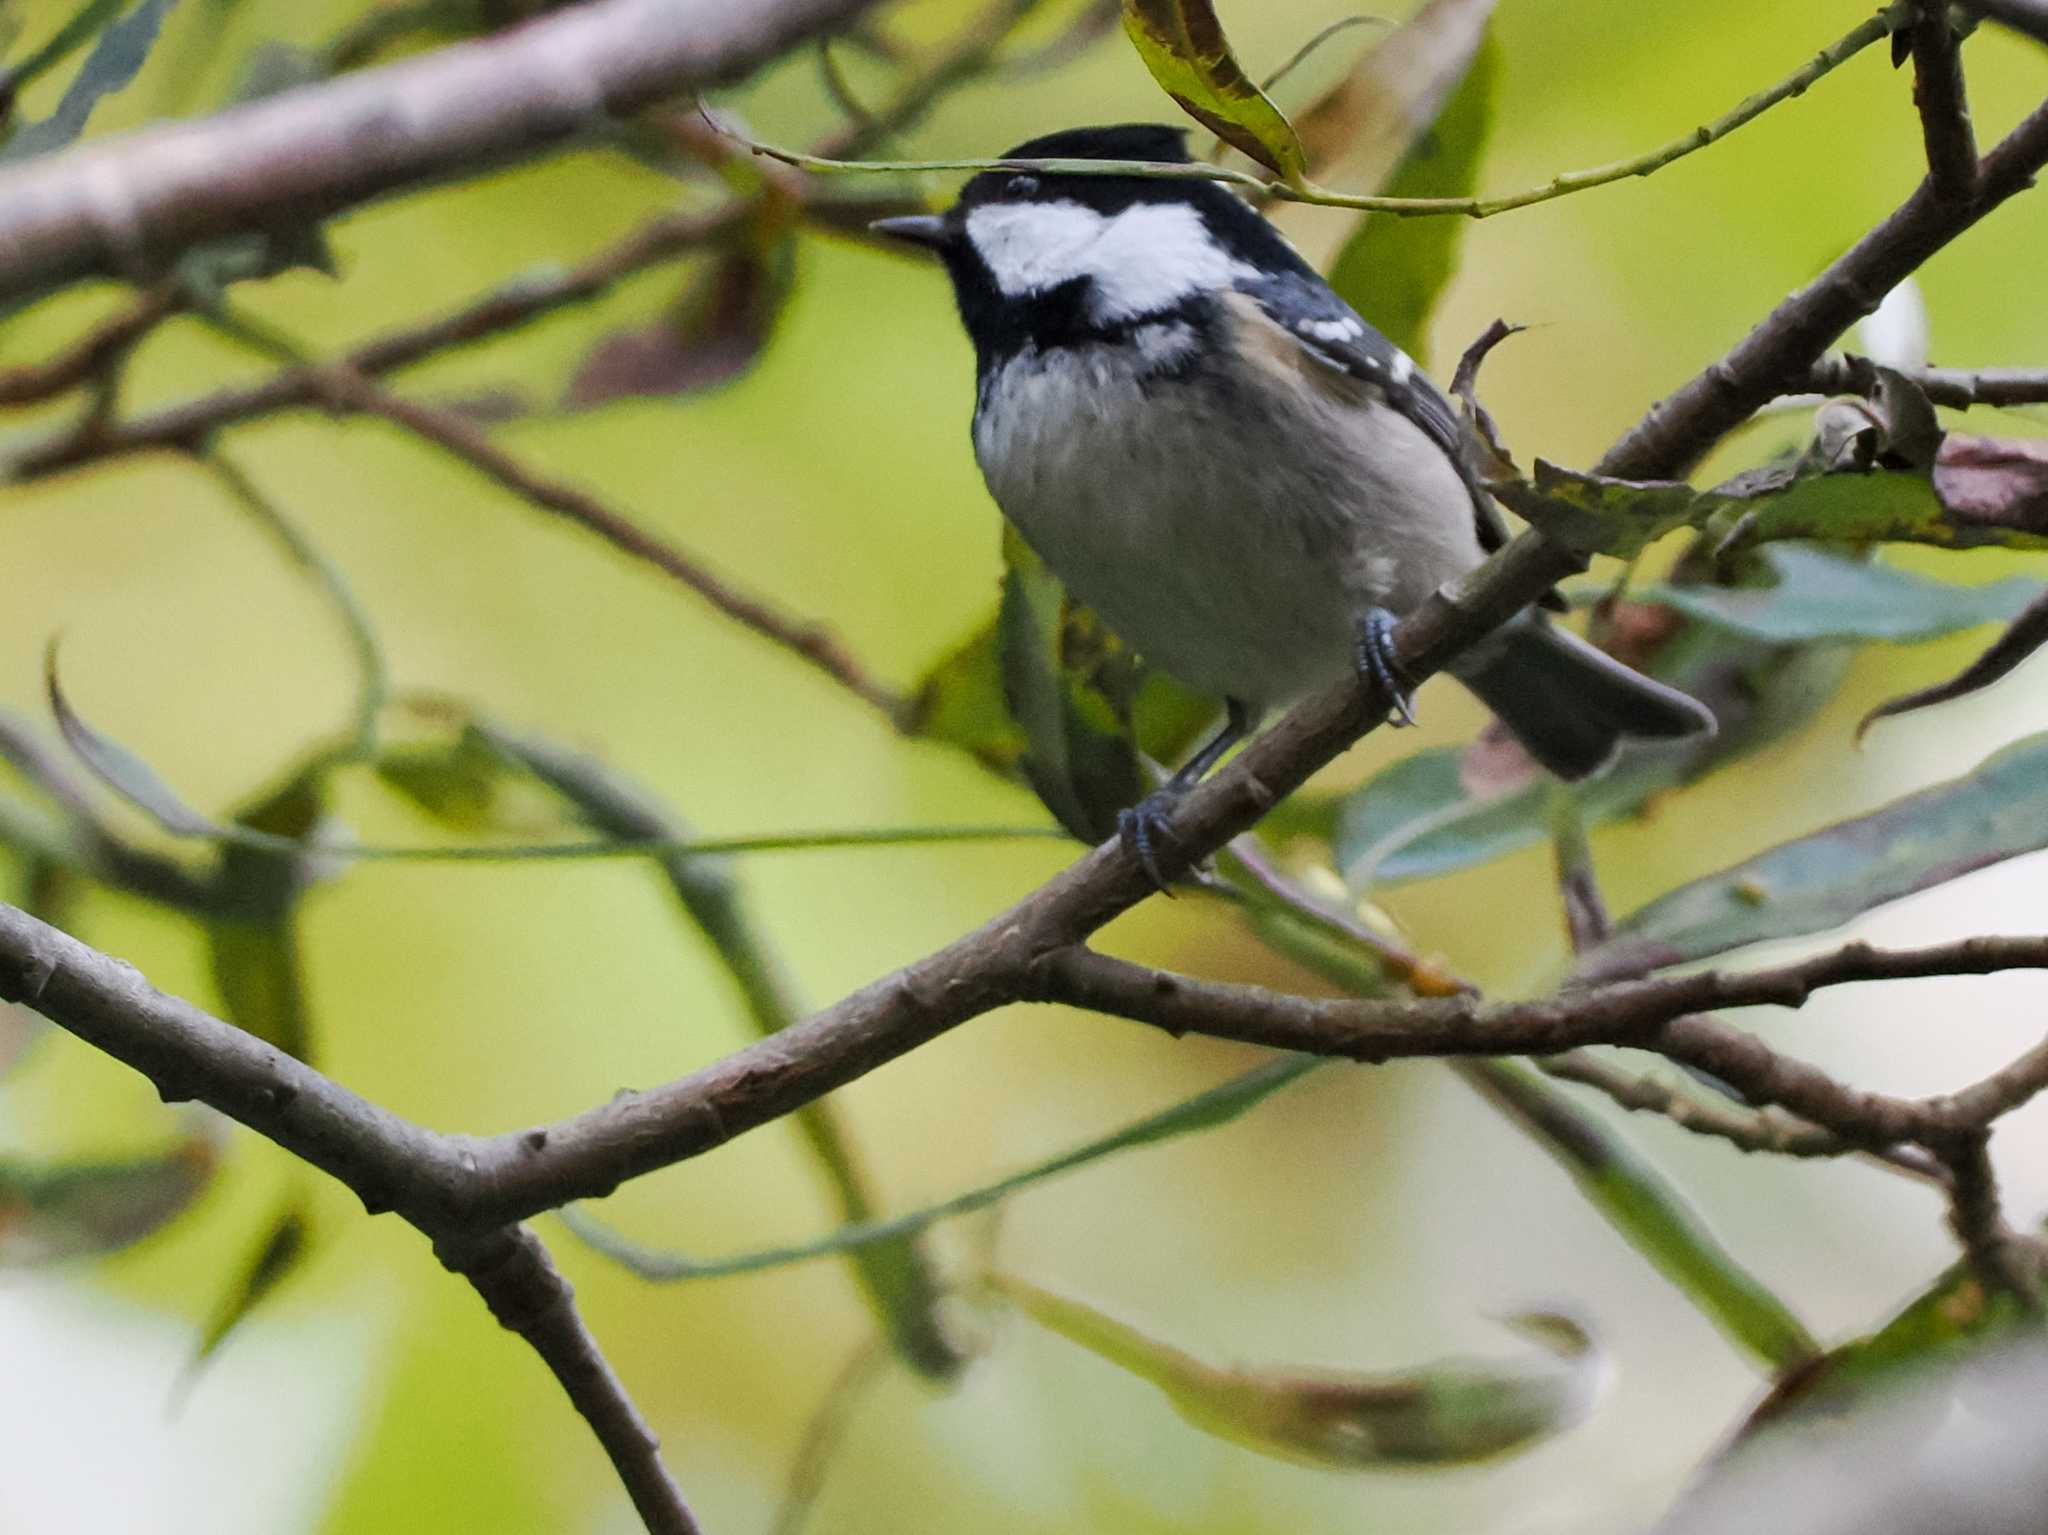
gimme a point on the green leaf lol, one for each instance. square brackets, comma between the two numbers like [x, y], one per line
[67, 39]
[1418, 819]
[253, 942]
[116, 59]
[960, 702]
[48, 1214]
[895, 1273]
[1210, 1110]
[458, 783]
[1979, 492]
[1953, 1318]
[1649, 1212]
[275, 1258]
[1841, 597]
[119, 768]
[1393, 270]
[1817, 882]
[1069, 683]
[1447, 1413]
[1183, 45]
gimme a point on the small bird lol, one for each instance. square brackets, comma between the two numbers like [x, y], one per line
[1236, 472]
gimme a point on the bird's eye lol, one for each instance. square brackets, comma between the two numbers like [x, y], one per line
[1023, 186]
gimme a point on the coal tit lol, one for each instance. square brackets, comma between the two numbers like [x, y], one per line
[1214, 452]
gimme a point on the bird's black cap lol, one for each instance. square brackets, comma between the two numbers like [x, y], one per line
[1117, 141]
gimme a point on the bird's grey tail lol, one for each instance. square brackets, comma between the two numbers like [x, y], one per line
[1572, 705]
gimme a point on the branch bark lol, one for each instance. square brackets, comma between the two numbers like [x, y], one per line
[1943, 103]
[125, 206]
[1779, 352]
[2028, 16]
[518, 1280]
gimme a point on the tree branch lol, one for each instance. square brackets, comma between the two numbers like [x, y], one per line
[512, 1271]
[1782, 349]
[1943, 103]
[126, 206]
[2028, 16]
[185, 426]
[94, 351]
[1846, 373]
[475, 447]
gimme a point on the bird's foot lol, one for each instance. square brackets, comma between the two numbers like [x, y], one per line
[1146, 827]
[1378, 672]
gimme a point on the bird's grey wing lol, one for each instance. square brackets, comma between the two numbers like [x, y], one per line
[1331, 332]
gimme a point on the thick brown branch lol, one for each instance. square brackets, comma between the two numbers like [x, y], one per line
[1943, 103]
[512, 1271]
[1778, 353]
[126, 206]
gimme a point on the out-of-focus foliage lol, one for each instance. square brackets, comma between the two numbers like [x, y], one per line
[1450, 1412]
[827, 470]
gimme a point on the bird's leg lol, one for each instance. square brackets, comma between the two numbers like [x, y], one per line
[1378, 672]
[1144, 826]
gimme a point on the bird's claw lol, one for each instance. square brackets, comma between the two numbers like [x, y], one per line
[1144, 827]
[1378, 671]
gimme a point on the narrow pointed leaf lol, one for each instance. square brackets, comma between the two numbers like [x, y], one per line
[1649, 1212]
[1446, 1413]
[1393, 270]
[51, 1213]
[1948, 1321]
[960, 702]
[119, 768]
[1205, 1111]
[1069, 684]
[1822, 595]
[252, 939]
[274, 1259]
[66, 40]
[1182, 44]
[116, 59]
[896, 1273]
[1820, 881]
[2027, 634]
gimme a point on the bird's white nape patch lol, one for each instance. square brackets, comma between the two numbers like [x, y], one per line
[1345, 329]
[1144, 260]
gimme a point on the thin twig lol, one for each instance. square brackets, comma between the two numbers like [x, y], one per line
[475, 447]
[186, 426]
[1564, 184]
[2002, 1260]
[1769, 1130]
[1960, 388]
[1784, 347]
[1942, 101]
[512, 1271]
[94, 351]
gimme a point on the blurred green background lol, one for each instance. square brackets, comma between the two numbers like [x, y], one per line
[1369, 1218]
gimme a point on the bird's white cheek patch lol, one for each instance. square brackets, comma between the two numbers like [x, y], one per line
[1145, 260]
[1030, 247]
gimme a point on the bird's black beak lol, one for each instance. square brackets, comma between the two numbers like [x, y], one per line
[926, 229]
